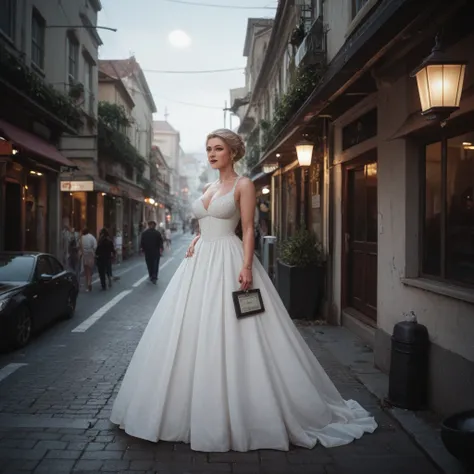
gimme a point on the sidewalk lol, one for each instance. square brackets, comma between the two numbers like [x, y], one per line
[357, 359]
[54, 418]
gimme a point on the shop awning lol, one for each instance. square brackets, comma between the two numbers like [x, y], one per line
[33, 144]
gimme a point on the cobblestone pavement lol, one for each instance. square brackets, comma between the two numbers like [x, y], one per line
[54, 409]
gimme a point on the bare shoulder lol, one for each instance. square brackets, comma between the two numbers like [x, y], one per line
[245, 184]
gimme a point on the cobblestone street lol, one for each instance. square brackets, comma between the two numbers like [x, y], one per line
[54, 408]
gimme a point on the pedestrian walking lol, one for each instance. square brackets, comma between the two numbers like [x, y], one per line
[152, 246]
[74, 261]
[168, 238]
[104, 253]
[88, 244]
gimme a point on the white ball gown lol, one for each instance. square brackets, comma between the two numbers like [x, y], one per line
[200, 376]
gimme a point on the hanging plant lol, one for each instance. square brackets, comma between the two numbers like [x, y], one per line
[117, 146]
[114, 115]
[15, 73]
[297, 36]
[305, 82]
[76, 91]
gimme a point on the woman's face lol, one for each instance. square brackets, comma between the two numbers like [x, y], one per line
[218, 153]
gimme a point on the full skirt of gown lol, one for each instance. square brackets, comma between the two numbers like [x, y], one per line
[201, 376]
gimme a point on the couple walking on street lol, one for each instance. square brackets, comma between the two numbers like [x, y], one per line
[152, 246]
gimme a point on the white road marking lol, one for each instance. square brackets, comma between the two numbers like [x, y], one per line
[120, 273]
[180, 249]
[9, 369]
[166, 263]
[142, 279]
[139, 282]
[85, 325]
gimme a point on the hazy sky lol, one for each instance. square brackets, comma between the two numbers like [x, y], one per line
[217, 43]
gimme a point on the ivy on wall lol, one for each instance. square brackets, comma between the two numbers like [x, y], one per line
[305, 82]
[15, 72]
[112, 141]
[114, 115]
[252, 155]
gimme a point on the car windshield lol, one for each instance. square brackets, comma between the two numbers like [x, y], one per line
[15, 268]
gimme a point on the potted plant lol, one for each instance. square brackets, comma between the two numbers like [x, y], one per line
[297, 35]
[300, 277]
[76, 91]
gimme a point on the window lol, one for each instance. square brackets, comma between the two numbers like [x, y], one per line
[37, 39]
[357, 6]
[56, 267]
[43, 266]
[88, 86]
[73, 58]
[7, 17]
[448, 213]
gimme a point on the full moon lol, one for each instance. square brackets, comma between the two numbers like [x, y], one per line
[179, 39]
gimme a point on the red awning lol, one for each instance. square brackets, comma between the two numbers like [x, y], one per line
[33, 144]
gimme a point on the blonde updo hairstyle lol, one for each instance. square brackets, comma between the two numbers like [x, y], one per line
[232, 140]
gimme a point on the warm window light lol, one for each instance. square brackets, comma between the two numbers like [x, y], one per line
[440, 81]
[304, 151]
[270, 168]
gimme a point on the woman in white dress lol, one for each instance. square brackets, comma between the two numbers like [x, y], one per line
[201, 376]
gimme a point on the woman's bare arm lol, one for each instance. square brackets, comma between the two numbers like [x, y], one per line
[247, 197]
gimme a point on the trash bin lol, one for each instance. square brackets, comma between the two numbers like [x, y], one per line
[408, 377]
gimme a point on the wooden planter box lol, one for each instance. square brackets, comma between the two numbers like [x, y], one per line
[301, 289]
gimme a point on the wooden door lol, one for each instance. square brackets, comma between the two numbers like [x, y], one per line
[360, 233]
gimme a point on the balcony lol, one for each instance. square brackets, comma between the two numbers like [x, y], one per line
[312, 50]
[26, 90]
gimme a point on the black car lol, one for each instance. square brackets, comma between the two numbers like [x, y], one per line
[35, 289]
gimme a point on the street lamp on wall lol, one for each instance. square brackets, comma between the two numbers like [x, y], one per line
[304, 151]
[440, 81]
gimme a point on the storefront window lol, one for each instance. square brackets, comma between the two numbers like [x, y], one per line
[36, 212]
[74, 210]
[110, 214]
[448, 231]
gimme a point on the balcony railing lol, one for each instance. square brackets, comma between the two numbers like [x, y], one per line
[312, 50]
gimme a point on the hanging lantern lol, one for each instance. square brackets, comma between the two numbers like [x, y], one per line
[304, 151]
[440, 81]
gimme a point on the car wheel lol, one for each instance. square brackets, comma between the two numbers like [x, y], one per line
[71, 304]
[23, 328]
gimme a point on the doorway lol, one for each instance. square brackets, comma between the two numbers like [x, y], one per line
[360, 234]
[12, 224]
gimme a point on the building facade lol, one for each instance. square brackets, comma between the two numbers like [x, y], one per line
[167, 139]
[393, 190]
[131, 173]
[47, 113]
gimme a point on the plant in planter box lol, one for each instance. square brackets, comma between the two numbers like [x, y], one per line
[76, 91]
[300, 278]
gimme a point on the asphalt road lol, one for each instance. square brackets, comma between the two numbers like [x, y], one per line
[56, 396]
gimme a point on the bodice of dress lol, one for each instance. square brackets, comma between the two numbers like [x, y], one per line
[221, 217]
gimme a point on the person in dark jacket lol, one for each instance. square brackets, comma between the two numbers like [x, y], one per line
[152, 246]
[104, 253]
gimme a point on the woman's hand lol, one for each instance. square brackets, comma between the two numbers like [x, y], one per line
[245, 279]
[190, 251]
